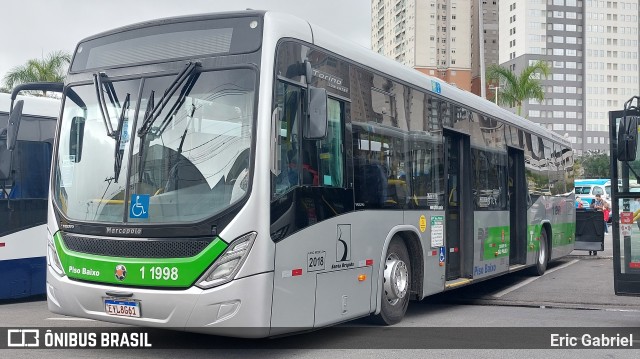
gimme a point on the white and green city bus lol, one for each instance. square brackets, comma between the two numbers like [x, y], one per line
[251, 170]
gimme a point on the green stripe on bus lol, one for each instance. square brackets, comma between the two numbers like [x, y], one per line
[145, 272]
[496, 242]
[563, 233]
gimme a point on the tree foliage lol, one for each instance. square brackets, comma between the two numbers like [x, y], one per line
[49, 69]
[515, 89]
[595, 165]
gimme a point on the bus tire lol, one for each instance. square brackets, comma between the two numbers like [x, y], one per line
[396, 283]
[542, 257]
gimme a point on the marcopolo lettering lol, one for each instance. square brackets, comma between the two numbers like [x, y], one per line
[118, 230]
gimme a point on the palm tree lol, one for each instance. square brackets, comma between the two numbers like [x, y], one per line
[516, 89]
[50, 69]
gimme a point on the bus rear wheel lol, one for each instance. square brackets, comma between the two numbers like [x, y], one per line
[396, 283]
[542, 258]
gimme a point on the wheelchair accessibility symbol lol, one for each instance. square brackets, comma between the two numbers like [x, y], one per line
[139, 206]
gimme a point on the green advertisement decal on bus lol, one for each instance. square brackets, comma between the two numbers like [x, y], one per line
[564, 233]
[148, 272]
[496, 242]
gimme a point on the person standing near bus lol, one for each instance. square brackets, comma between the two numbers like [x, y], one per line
[606, 210]
[599, 205]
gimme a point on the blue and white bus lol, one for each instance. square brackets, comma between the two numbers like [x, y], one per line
[24, 188]
[252, 174]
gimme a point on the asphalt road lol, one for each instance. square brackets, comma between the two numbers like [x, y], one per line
[576, 292]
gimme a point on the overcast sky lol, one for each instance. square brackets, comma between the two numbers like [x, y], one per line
[33, 28]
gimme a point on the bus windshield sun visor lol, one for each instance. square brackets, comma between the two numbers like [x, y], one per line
[188, 75]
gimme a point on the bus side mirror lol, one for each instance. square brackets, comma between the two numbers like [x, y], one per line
[308, 71]
[628, 138]
[14, 125]
[75, 140]
[316, 122]
[5, 157]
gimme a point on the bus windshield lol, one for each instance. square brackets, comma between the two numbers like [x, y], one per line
[192, 163]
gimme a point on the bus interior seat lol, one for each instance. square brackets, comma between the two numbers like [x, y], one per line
[309, 173]
[396, 193]
[371, 186]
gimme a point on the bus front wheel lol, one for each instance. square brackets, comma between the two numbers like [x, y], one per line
[396, 282]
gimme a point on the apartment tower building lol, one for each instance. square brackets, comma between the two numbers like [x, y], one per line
[592, 47]
[431, 36]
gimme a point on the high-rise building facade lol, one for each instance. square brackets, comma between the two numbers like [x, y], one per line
[593, 55]
[611, 63]
[431, 36]
[484, 44]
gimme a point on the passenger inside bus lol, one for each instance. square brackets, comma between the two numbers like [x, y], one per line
[371, 184]
[309, 172]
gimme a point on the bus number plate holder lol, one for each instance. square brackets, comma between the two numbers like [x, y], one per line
[122, 307]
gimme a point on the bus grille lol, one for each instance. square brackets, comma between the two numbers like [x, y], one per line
[135, 248]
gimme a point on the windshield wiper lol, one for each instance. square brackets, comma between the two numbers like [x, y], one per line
[117, 165]
[143, 138]
[186, 129]
[152, 112]
[187, 73]
[186, 89]
[102, 104]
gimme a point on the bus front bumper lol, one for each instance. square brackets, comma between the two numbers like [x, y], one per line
[239, 308]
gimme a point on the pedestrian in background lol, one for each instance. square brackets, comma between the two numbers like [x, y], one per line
[606, 211]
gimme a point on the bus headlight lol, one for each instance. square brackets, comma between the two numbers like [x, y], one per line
[229, 263]
[52, 256]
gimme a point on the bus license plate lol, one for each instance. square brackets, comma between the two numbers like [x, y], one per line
[122, 308]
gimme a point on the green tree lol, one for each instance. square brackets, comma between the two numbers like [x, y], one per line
[595, 165]
[50, 69]
[515, 89]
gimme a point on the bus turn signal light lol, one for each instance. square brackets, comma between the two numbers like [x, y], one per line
[362, 277]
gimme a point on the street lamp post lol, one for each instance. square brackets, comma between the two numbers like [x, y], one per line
[495, 88]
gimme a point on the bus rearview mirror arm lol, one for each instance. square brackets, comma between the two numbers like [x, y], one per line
[16, 110]
[14, 125]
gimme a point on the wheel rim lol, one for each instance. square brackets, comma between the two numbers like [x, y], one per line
[396, 279]
[542, 255]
